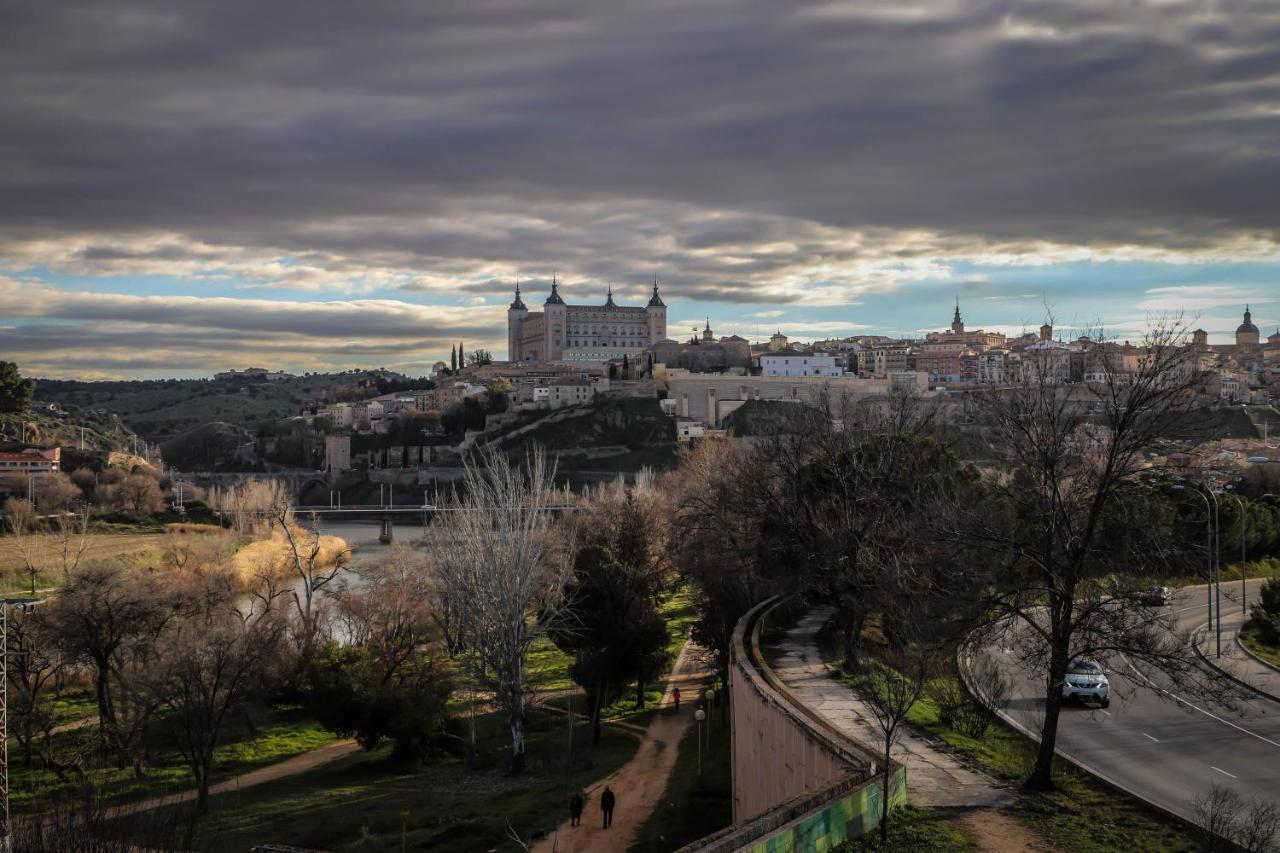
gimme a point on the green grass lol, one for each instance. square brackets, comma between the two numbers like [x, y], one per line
[910, 830]
[71, 707]
[693, 805]
[1116, 820]
[1267, 567]
[1251, 637]
[357, 803]
[280, 733]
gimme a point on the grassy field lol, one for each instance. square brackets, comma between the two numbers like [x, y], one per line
[1250, 637]
[13, 577]
[278, 734]
[694, 804]
[365, 801]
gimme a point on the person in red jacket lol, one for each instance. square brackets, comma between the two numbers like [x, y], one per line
[675, 697]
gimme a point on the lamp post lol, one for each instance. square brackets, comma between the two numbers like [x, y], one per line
[699, 715]
[1216, 584]
[1244, 553]
[1208, 547]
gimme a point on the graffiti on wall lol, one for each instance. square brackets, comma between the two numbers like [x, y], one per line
[853, 815]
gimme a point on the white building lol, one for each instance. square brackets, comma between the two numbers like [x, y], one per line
[788, 362]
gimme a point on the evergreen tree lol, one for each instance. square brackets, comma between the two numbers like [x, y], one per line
[453, 360]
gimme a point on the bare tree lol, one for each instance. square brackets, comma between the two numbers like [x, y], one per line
[34, 665]
[501, 558]
[1232, 823]
[47, 546]
[211, 658]
[139, 495]
[111, 619]
[900, 672]
[390, 612]
[1056, 523]
[714, 537]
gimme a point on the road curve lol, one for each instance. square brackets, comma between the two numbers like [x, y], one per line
[1164, 748]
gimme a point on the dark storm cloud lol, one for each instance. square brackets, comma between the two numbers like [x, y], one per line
[306, 126]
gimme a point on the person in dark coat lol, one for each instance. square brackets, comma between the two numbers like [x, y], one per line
[607, 802]
[575, 809]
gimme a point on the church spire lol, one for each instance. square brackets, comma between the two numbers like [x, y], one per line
[655, 301]
[608, 303]
[957, 324]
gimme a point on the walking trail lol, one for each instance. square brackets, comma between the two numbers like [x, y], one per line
[640, 783]
[271, 773]
[934, 778]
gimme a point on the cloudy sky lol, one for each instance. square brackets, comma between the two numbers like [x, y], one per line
[188, 187]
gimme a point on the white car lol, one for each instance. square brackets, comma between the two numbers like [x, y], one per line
[1086, 681]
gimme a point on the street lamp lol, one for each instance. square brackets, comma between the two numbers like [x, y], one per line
[699, 715]
[1244, 552]
[1208, 547]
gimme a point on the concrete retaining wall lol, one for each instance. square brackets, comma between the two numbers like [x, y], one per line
[799, 784]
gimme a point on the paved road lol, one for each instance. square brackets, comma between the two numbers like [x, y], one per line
[1158, 745]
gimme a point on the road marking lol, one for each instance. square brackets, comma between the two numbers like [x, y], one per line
[1223, 772]
[1152, 739]
[1108, 713]
[1195, 707]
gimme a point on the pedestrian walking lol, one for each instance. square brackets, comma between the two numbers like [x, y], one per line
[575, 809]
[675, 697]
[607, 802]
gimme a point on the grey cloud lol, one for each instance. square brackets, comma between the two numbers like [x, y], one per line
[202, 113]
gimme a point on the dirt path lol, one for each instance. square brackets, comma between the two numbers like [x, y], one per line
[640, 783]
[992, 830]
[271, 773]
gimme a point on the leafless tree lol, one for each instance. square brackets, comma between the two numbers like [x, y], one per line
[312, 568]
[139, 495]
[211, 658]
[110, 619]
[501, 558]
[1055, 523]
[714, 537]
[34, 665]
[1230, 822]
[390, 612]
[57, 494]
[48, 546]
[900, 672]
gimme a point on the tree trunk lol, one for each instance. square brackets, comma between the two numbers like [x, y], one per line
[1041, 778]
[596, 733]
[517, 742]
[852, 636]
[884, 792]
[639, 694]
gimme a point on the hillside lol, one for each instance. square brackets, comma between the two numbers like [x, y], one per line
[619, 434]
[165, 408]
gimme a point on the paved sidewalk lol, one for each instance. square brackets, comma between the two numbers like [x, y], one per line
[1235, 661]
[934, 778]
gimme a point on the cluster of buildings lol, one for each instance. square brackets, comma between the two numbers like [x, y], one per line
[568, 354]
[252, 374]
